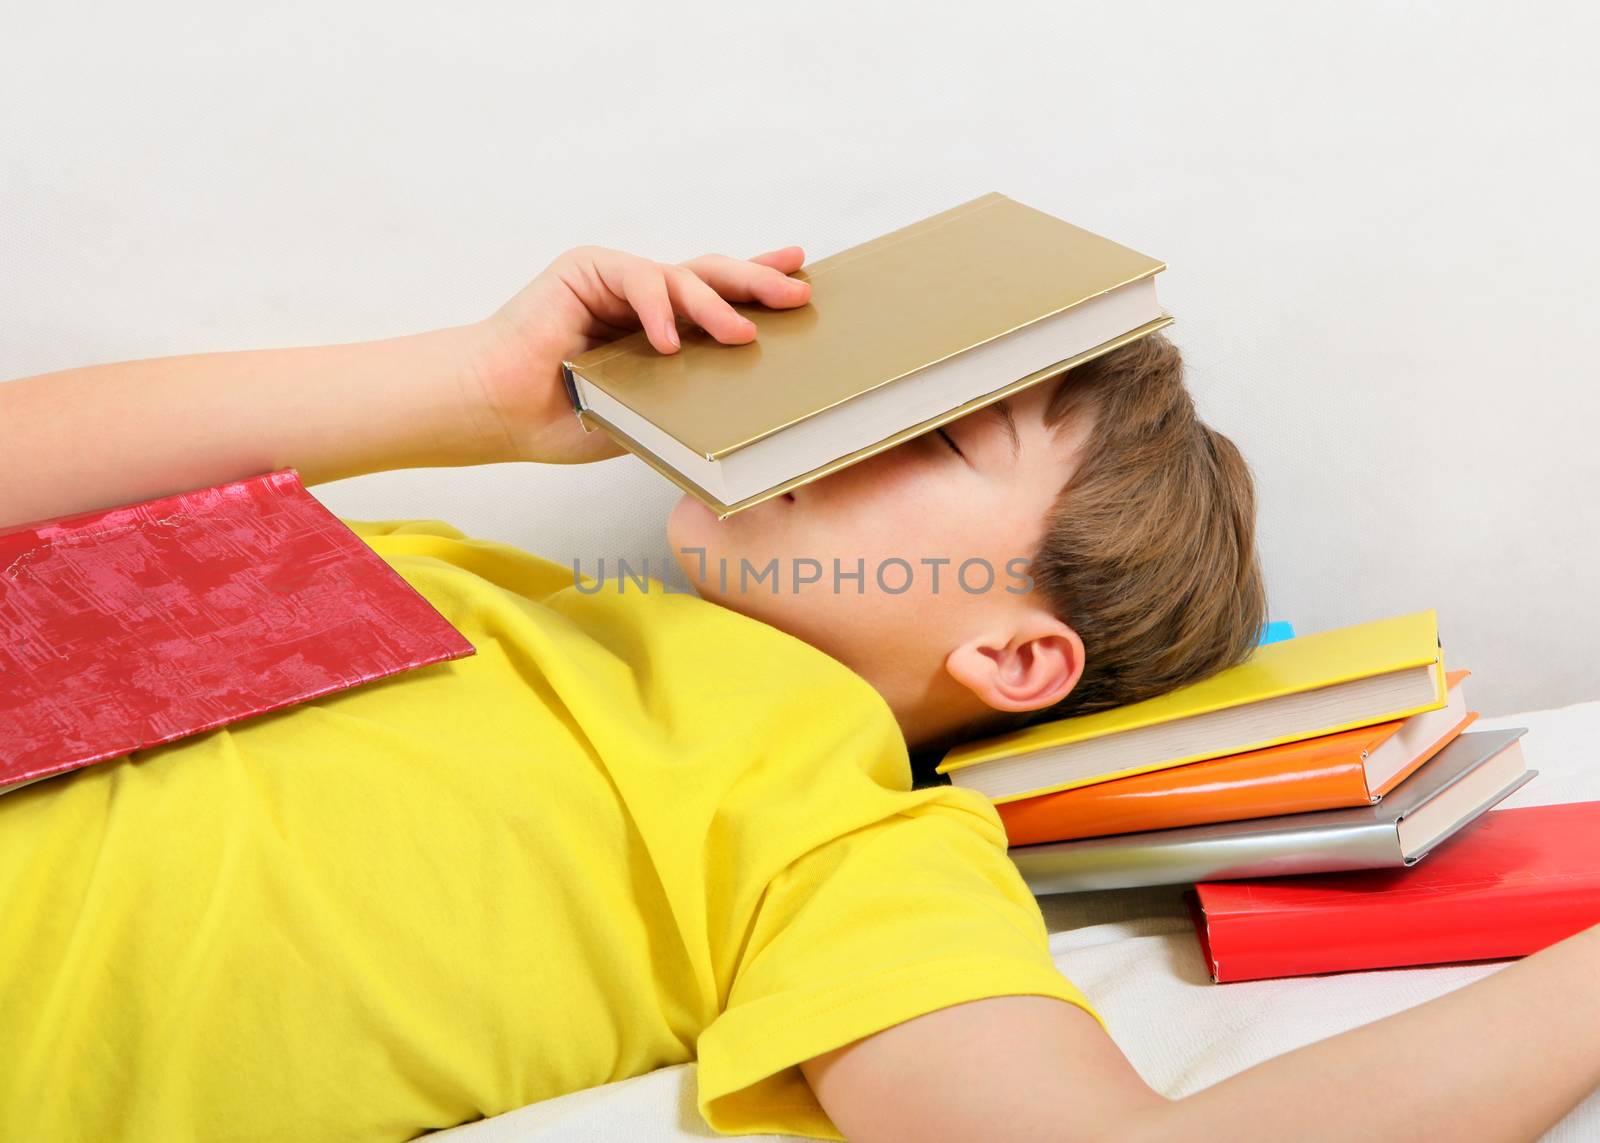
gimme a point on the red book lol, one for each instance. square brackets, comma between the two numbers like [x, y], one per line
[1514, 882]
[127, 627]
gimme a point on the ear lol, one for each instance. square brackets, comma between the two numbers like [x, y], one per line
[1033, 663]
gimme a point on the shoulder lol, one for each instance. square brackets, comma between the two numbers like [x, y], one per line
[417, 546]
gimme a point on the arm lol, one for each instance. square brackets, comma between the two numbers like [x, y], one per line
[480, 393]
[1503, 1058]
[114, 434]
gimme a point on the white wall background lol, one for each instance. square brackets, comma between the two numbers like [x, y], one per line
[1380, 224]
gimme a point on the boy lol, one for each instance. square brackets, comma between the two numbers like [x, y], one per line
[640, 827]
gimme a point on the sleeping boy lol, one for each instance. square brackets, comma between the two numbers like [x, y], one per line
[637, 827]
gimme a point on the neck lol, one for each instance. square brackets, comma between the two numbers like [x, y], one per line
[934, 713]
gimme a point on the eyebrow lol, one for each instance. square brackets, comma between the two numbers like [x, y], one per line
[1003, 411]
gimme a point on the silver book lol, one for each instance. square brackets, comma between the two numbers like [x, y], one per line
[1455, 787]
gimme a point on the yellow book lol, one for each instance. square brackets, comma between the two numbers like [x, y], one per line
[1299, 688]
[902, 333]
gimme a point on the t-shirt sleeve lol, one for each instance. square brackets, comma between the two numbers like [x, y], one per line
[909, 915]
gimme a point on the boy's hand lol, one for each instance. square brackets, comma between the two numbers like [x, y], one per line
[591, 295]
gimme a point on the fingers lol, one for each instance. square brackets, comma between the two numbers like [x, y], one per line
[644, 285]
[789, 259]
[701, 289]
[745, 281]
[696, 299]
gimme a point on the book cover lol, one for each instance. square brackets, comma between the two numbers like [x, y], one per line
[1306, 663]
[1322, 773]
[1277, 631]
[1476, 771]
[1519, 879]
[880, 311]
[127, 627]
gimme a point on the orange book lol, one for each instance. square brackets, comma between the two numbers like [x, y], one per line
[1350, 768]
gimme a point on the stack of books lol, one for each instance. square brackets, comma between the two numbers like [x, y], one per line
[1344, 749]
[1341, 752]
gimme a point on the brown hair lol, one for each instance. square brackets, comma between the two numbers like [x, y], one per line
[1149, 551]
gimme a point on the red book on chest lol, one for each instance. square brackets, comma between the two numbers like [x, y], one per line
[127, 627]
[1514, 882]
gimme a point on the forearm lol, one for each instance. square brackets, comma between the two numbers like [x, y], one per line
[1503, 1058]
[114, 434]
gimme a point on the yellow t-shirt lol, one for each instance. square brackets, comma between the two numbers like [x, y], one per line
[634, 828]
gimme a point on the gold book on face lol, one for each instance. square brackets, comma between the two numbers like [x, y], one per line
[902, 334]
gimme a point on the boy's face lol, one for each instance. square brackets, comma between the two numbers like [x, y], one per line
[907, 518]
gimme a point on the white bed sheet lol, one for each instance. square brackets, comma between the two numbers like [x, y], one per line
[1133, 951]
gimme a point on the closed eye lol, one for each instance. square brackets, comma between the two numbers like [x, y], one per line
[946, 438]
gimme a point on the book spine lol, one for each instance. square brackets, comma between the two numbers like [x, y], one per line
[1172, 857]
[570, 381]
[1510, 919]
[1307, 779]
